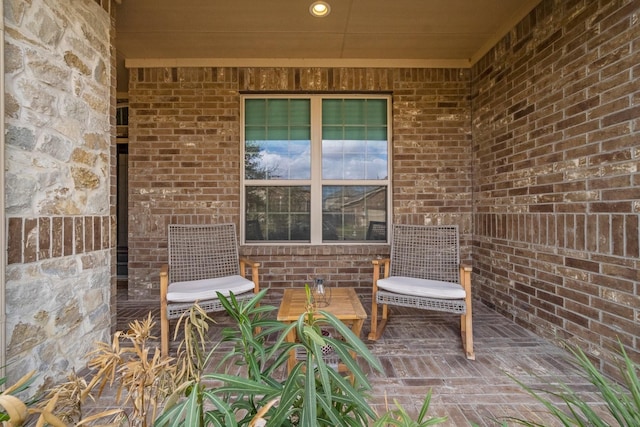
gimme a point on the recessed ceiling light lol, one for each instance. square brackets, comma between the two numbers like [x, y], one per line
[319, 9]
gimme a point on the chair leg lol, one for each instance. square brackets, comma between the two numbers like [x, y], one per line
[374, 319]
[466, 332]
[164, 333]
[377, 329]
[466, 320]
[164, 318]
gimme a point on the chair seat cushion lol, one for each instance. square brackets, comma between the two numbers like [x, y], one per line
[422, 287]
[205, 289]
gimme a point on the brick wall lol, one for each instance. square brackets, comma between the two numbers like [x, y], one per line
[184, 158]
[556, 186]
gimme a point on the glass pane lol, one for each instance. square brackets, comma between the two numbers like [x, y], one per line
[280, 148]
[354, 213]
[253, 227]
[300, 133]
[376, 160]
[334, 133]
[355, 146]
[278, 133]
[354, 166]
[278, 213]
[354, 143]
[300, 112]
[277, 112]
[355, 133]
[354, 111]
[332, 112]
[332, 152]
[354, 159]
[277, 160]
[377, 112]
[255, 133]
[253, 166]
[255, 112]
[377, 134]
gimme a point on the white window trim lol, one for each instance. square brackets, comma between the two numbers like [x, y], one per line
[316, 181]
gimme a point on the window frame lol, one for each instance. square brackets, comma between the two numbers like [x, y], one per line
[315, 182]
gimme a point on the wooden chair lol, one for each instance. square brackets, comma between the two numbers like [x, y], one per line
[424, 271]
[203, 260]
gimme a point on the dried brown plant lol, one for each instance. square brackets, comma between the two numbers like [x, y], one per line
[191, 354]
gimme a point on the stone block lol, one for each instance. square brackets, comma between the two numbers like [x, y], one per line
[20, 137]
[13, 57]
[46, 70]
[84, 178]
[45, 26]
[24, 337]
[56, 147]
[68, 317]
[19, 192]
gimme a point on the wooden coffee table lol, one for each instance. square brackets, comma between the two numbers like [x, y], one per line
[344, 304]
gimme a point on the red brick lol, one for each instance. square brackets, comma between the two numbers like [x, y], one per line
[14, 241]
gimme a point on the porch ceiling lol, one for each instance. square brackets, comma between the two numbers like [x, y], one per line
[282, 32]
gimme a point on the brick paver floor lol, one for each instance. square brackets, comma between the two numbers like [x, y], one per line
[421, 351]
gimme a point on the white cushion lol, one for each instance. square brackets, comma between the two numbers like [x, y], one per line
[205, 289]
[422, 287]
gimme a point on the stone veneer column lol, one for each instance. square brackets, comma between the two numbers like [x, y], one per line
[58, 175]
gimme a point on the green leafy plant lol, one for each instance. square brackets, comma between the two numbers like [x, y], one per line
[250, 351]
[621, 400]
[313, 393]
[249, 386]
[400, 418]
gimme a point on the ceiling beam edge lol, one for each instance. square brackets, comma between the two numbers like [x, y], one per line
[295, 62]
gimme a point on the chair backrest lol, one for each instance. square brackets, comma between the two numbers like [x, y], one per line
[202, 251]
[425, 252]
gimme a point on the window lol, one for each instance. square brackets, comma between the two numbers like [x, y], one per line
[316, 169]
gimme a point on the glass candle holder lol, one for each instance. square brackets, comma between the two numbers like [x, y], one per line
[321, 294]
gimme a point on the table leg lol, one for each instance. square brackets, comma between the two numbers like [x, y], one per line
[291, 337]
[356, 328]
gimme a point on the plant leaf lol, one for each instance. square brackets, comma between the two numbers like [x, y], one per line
[16, 409]
[193, 409]
[236, 384]
[358, 346]
[309, 409]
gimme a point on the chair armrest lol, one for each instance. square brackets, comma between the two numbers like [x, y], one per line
[249, 262]
[465, 277]
[164, 281]
[255, 266]
[377, 265]
[382, 262]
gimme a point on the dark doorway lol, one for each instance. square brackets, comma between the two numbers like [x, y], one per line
[122, 210]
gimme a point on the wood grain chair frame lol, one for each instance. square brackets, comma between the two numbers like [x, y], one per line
[423, 271]
[203, 260]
